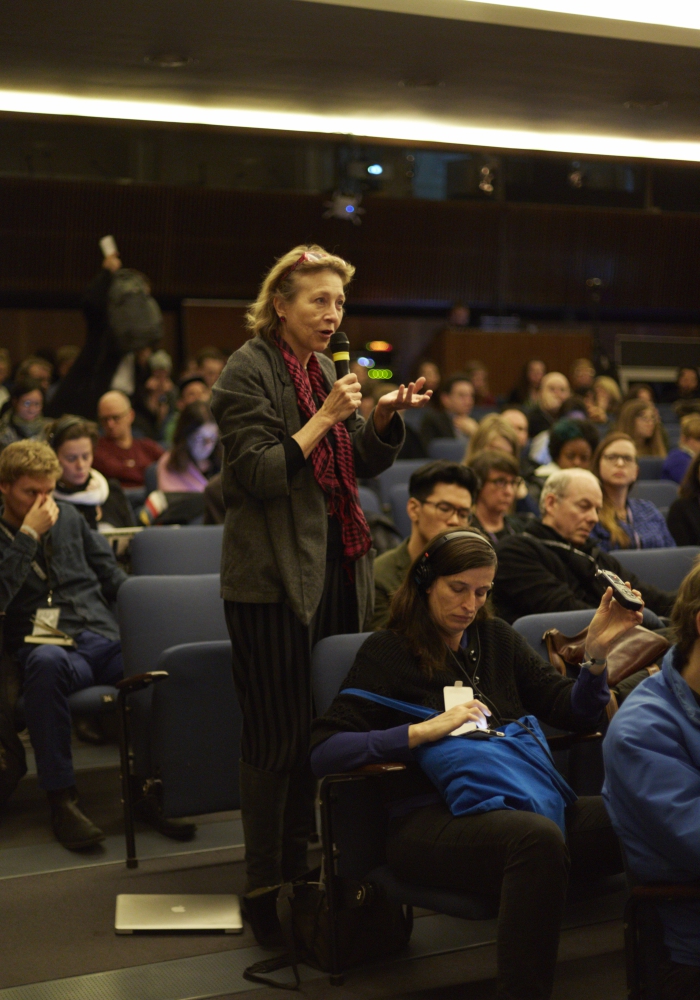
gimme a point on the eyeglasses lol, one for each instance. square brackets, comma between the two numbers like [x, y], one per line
[616, 459]
[113, 417]
[30, 404]
[310, 257]
[448, 509]
[502, 483]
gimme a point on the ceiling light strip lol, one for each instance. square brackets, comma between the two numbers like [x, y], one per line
[401, 129]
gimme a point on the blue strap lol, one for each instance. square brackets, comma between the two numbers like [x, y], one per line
[401, 706]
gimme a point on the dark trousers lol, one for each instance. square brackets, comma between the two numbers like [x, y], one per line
[518, 856]
[51, 674]
[271, 652]
[679, 982]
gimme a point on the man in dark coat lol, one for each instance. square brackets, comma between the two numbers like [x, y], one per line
[552, 566]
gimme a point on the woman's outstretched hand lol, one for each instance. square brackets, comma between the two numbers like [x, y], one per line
[407, 397]
[446, 723]
[610, 621]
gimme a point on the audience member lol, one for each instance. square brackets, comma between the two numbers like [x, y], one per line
[478, 375]
[552, 567]
[460, 316]
[429, 370]
[23, 417]
[678, 459]
[581, 377]
[554, 390]
[603, 400]
[452, 420]
[639, 390]
[526, 392]
[68, 583]
[65, 359]
[498, 475]
[571, 446]
[624, 522]
[155, 402]
[440, 496]
[684, 513]
[194, 457]
[493, 433]
[442, 632]
[192, 389]
[35, 369]
[517, 419]
[640, 420]
[118, 454]
[686, 386]
[101, 501]
[652, 789]
[210, 364]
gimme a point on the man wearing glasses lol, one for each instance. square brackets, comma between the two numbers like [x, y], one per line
[439, 496]
[118, 454]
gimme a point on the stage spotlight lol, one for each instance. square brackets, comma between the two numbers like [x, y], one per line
[344, 206]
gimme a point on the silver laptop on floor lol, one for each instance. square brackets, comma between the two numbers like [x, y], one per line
[213, 912]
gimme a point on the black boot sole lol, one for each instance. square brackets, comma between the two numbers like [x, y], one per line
[81, 845]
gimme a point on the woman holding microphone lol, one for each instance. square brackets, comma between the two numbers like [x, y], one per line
[296, 563]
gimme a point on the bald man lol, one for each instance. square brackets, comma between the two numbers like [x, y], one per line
[118, 454]
[552, 566]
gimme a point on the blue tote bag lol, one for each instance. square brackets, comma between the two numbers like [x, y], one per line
[475, 776]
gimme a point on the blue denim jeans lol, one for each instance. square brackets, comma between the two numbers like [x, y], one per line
[51, 674]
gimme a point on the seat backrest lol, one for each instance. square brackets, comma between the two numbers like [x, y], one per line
[166, 551]
[664, 568]
[660, 492]
[156, 612]
[400, 472]
[369, 501]
[331, 660]
[533, 627]
[649, 468]
[398, 498]
[150, 477]
[479, 412]
[450, 449]
[673, 432]
[196, 730]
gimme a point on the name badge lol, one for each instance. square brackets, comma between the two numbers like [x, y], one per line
[46, 621]
[457, 694]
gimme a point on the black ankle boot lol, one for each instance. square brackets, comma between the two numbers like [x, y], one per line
[148, 810]
[299, 822]
[260, 910]
[72, 827]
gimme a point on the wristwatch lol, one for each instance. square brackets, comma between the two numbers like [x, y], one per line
[591, 661]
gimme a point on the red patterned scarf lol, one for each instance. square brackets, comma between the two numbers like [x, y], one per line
[334, 467]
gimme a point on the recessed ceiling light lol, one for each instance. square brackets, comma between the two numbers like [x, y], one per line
[403, 129]
[169, 60]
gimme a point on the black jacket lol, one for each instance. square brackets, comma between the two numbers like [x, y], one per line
[684, 521]
[534, 578]
[437, 424]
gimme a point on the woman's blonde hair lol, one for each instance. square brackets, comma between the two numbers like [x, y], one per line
[612, 389]
[632, 409]
[283, 280]
[493, 425]
[607, 516]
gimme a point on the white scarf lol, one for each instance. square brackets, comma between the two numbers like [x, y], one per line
[94, 495]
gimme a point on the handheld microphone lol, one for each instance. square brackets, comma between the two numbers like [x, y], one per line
[340, 352]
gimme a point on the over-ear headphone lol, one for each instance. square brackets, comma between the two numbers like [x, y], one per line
[424, 574]
[62, 425]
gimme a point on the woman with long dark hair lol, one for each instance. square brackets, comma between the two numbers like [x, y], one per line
[441, 632]
[296, 562]
[195, 455]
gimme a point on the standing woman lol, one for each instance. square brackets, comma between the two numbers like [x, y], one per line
[624, 522]
[296, 562]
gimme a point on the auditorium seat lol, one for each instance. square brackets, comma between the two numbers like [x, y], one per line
[398, 498]
[649, 468]
[449, 449]
[660, 492]
[167, 550]
[664, 568]
[399, 472]
[369, 501]
[150, 478]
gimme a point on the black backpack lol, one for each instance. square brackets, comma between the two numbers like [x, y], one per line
[133, 314]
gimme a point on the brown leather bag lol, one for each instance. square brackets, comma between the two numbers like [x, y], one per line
[633, 651]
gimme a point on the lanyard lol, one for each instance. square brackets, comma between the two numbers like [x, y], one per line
[34, 564]
[562, 545]
[635, 535]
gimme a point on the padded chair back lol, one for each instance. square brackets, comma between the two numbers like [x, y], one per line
[449, 449]
[168, 551]
[649, 468]
[398, 498]
[660, 492]
[664, 568]
[369, 501]
[533, 627]
[150, 477]
[155, 613]
[673, 432]
[479, 412]
[413, 418]
[331, 660]
[196, 730]
[400, 472]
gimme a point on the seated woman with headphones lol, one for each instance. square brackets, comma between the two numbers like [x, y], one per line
[442, 632]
